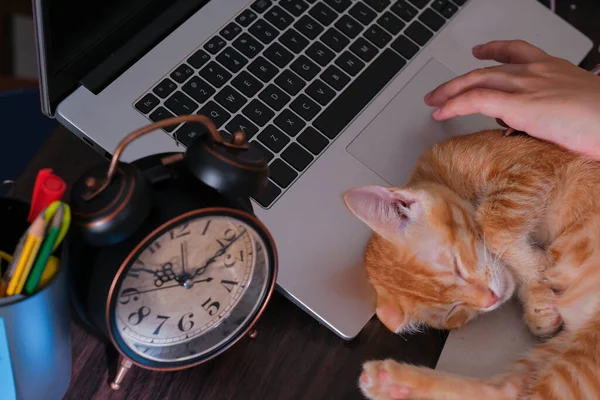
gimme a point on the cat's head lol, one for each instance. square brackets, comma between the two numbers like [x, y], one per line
[427, 260]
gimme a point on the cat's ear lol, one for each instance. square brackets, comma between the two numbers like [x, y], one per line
[386, 211]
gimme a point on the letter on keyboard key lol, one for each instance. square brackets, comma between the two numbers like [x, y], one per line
[305, 107]
[320, 53]
[360, 92]
[305, 68]
[293, 41]
[289, 122]
[273, 138]
[180, 104]
[335, 39]
[240, 123]
[308, 27]
[365, 50]
[320, 92]
[215, 112]
[323, 14]
[231, 99]
[349, 63]
[362, 13]
[147, 103]
[263, 69]
[274, 97]
[281, 173]
[335, 77]
[259, 113]
[246, 84]
[290, 82]
[278, 55]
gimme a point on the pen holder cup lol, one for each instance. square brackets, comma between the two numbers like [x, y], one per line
[38, 327]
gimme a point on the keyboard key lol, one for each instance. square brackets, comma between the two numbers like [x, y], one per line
[249, 46]
[273, 138]
[335, 77]
[279, 17]
[274, 97]
[264, 31]
[260, 6]
[246, 18]
[320, 92]
[198, 89]
[305, 107]
[162, 113]
[164, 88]
[241, 123]
[231, 99]
[214, 45]
[230, 31]
[460, 2]
[181, 73]
[198, 59]
[215, 112]
[290, 82]
[419, 3]
[438, 5]
[449, 10]
[305, 68]
[335, 39]
[349, 63]
[268, 195]
[296, 7]
[246, 84]
[232, 59]
[378, 36]
[215, 74]
[405, 47]
[362, 13]
[323, 14]
[190, 131]
[180, 104]
[258, 112]
[278, 55]
[404, 10]
[320, 53]
[293, 41]
[313, 140]
[266, 152]
[432, 19]
[309, 27]
[147, 103]
[263, 69]
[365, 50]
[281, 173]
[297, 157]
[349, 26]
[289, 122]
[338, 5]
[378, 5]
[417, 32]
[359, 93]
[391, 23]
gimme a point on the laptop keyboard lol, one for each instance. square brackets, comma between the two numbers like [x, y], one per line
[292, 74]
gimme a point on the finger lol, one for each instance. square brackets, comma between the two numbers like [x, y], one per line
[493, 103]
[510, 52]
[503, 78]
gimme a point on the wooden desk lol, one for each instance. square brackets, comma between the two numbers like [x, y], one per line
[293, 357]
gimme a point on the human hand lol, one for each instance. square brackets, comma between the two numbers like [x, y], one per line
[547, 97]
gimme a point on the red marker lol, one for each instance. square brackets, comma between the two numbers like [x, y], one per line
[48, 189]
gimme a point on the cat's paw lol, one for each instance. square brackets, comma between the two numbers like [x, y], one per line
[541, 314]
[386, 380]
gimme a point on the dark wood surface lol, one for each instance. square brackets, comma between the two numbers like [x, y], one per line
[293, 356]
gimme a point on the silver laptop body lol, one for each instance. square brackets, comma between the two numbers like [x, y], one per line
[376, 126]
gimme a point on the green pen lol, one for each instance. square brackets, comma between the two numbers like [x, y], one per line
[44, 254]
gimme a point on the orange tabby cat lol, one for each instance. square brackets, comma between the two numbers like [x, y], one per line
[482, 215]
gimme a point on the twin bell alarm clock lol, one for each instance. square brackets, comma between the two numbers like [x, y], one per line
[167, 261]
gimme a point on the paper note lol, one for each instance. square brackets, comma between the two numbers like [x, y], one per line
[7, 382]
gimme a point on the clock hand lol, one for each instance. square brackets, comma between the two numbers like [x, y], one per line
[183, 257]
[219, 253]
[172, 286]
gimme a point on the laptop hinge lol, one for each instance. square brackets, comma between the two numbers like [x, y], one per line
[135, 48]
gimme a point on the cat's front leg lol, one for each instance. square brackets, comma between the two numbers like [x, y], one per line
[540, 311]
[389, 380]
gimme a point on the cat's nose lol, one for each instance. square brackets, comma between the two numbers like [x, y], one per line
[492, 300]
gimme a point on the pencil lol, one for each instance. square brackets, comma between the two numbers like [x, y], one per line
[35, 236]
[45, 251]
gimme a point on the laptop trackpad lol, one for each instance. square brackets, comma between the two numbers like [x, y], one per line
[392, 142]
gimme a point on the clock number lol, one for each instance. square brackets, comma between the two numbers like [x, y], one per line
[136, 318]
[128, 295]
[164, 318]
[228, 284]
[211, 308]
[183, 230]
[185, 326]
[229, 236]
[230, 260]
[153, 247]
[206, 227]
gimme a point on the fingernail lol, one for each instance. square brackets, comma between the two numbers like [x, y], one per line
[428, 95]
[478, 47]
[436, 112]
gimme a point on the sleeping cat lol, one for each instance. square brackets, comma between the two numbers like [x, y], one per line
[484, 216]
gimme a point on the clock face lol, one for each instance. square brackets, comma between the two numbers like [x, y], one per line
[191, 289]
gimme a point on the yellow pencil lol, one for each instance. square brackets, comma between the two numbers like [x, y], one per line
[35, 236]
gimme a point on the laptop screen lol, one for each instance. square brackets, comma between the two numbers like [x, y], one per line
[77, 36]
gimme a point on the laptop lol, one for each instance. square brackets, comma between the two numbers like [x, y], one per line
[331, 90]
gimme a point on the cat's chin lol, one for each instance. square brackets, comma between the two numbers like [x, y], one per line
[505, 288]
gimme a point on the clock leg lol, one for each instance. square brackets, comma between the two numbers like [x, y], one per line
[253, 334]
[124, 366]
